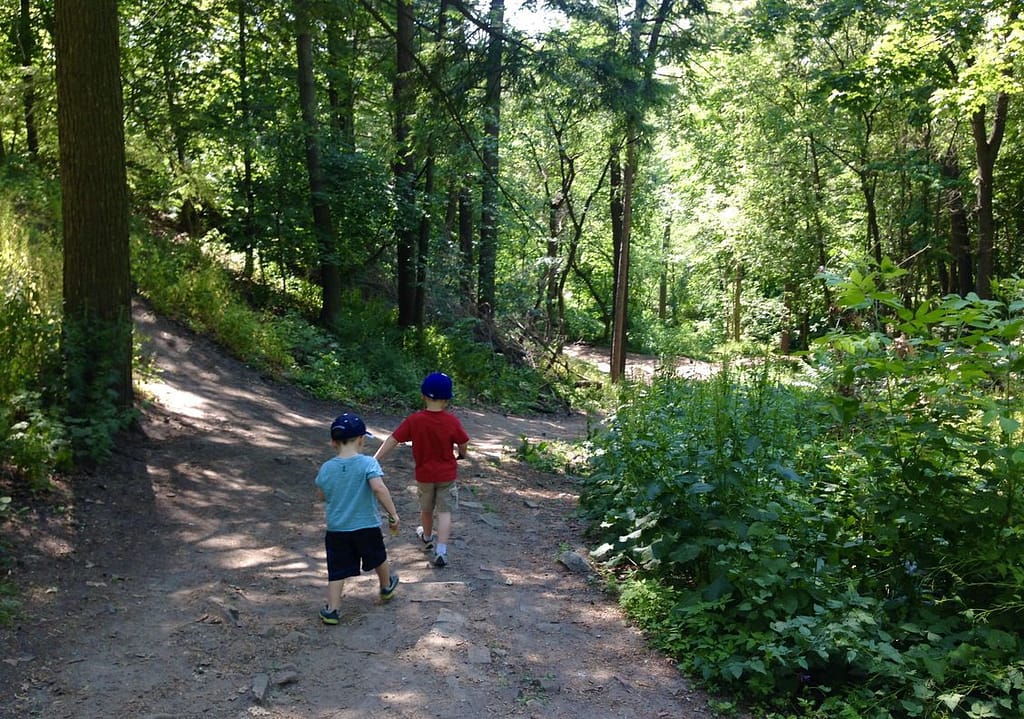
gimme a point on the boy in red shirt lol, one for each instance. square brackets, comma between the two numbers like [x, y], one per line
[436, 434]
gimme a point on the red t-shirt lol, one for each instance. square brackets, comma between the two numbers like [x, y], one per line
[434, 436]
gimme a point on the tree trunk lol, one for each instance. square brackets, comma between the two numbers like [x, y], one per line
[644, 58]
[466, 243]
[245, 110]
[341, 85]
[488, 253]
[819, 230]
[403, 167]
[621, 308]
[666, 237]
[423, 245]
[97, 272]
[874, 234]
[986, 149]
[959, 231]
[615, 208]
[323, 224]
[27, 51]
[552, 275]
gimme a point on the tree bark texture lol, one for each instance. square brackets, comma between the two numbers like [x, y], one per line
[94, 210]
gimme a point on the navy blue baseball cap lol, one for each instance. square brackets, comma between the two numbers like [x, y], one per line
[348, 426]
[437, 385]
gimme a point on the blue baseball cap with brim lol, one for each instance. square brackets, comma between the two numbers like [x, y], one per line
[348, 426]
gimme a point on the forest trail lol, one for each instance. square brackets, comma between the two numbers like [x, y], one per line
[183, 581]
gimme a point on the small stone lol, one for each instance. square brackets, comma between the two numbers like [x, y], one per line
[285, 677]
[574, 562]
[492, 521]
[260, 685]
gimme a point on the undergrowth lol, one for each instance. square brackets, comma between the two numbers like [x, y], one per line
[842, 543]
[364, 360]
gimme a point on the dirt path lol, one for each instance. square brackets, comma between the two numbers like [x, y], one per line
[184, 580]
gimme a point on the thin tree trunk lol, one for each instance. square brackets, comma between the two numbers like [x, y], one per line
[666, 237]
[986, 149]
[423, 246]
[323, 224]
[403, 166]
[27, 50]
[959, 231]
[819, 229]
[615, 208]
[245, 109]
[341, 87]
[737, 303]
[634, 120]
[556, 215]
[466, 243]
[489, 196]
[621, 308]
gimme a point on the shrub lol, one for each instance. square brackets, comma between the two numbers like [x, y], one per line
[852, 548]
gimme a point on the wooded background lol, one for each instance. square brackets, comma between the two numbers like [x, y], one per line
[628, 166]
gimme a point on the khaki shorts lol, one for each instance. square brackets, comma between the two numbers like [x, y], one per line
[435, 496]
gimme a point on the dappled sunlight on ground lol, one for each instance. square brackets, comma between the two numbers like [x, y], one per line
[192, 572]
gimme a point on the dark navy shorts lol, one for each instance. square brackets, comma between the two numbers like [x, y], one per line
[345, 551]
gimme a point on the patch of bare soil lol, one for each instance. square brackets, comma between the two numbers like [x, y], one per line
[640, 367]
[184, 579]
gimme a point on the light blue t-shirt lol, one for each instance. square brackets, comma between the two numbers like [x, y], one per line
[351, 504]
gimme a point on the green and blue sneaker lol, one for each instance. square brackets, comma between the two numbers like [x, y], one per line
[389, 591]
[329, 617]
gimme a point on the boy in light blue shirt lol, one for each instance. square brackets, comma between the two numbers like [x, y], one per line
[352, 485]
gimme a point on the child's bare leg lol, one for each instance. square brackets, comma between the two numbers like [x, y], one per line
[383, 571]
[444, 527]
[334, 594]
[427, 520]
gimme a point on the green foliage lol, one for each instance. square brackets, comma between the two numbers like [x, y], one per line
[844, 543]
[365, 359]
[93, 414]
[31, 434]
[552, 457]
[9, 604]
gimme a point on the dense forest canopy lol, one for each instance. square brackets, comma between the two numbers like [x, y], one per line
[614, 165]
[842, 181]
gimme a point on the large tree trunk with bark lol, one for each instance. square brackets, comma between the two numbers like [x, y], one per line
[97, 272]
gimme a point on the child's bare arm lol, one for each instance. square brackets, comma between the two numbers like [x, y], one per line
[380, 491]
[385, 449]
[463, 448]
